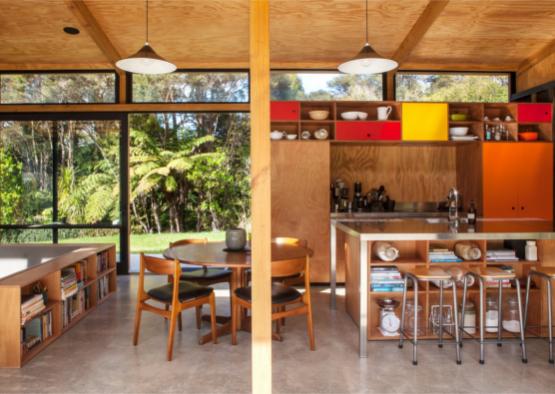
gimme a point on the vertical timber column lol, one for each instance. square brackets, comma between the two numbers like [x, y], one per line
[261, 198]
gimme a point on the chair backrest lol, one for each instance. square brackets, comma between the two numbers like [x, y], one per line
[284, 268]
[182, 242]
[290, 241]
[159, 266]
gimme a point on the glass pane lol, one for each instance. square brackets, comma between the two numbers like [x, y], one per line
[57, 88]
[489, 88]
[189, 177]
[192, 87]
[325, 86]
[89, 236]
[25, 236]
[88, 175]
[25, 172]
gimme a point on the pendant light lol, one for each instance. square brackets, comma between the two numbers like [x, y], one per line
[367, 61]
[146, 60]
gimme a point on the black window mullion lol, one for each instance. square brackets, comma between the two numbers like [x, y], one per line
[55, 141]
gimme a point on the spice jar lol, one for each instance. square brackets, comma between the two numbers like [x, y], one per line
[511, 321]
[492, 314]
[409, 318]
[469, 317]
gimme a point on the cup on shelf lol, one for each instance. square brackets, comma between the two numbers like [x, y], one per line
[306, 135]
[384, 112]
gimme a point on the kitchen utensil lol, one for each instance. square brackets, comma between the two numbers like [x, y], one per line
[508, 118]
[458, 117]
[321, 134]
[486, 118]
[305, 135]
[389, 322]
[464, 138]
[291, 137]
[497, 119]
[276, 135]
[468, 251]
[362, 115]
[384, 112]
[458, 131]
[235, 239]
[528, 136]
[318, 115]
[385, 251]
[349, 115]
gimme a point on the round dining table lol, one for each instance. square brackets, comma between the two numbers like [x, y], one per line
[215, 254]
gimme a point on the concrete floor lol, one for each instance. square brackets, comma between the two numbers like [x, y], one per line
[97, 356]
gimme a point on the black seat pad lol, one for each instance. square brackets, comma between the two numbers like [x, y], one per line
[209, 273]
[280, 293]
[187, 291]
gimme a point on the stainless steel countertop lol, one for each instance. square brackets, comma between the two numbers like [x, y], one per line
[391, 229]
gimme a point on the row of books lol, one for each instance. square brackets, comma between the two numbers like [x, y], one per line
[385, 279]
[102, 262]
[103, 287]
[69, 282]
[75, 305]
[443, 256]
[31, 305]
[501, 255]
[36, 330]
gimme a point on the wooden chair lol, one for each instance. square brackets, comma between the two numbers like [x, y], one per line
[177, 296]
[204, 276]
[282, 296]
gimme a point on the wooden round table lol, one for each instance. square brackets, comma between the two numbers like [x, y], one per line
[212, 254]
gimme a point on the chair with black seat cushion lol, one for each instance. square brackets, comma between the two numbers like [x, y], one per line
[176, 296]
[283, 297]
[204, 276]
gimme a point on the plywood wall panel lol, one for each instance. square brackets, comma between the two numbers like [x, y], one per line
[541, 72]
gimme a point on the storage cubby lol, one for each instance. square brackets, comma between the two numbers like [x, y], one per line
[313, 126]
[544, 131]
[287, 127]
[307, 106]
[500, 111]
[370, 107]
[474, 112]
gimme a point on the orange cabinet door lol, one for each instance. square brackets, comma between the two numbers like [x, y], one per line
[499, 180]
[534, 174]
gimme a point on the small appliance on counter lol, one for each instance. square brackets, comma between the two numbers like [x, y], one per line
[389, 322]
[376, 200]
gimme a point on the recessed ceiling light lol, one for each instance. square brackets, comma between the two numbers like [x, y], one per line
[71, 30]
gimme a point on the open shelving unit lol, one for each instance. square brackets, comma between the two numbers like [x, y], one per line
[13, 352]
[414, 254]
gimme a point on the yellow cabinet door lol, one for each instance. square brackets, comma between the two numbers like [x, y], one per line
[425, 121]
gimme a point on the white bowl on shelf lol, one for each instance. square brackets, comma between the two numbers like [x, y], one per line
[458, 131]
[291, 137]
[362, 115]
[276, 135]
[318, 115]
[350, 115]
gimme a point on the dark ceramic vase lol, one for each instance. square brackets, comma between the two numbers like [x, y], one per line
[235, 239]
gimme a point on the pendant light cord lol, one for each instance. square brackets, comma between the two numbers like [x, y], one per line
[366, 21]
[146, 21]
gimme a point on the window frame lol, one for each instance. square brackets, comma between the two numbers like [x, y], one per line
[129, 86]
[510, 74]
[75, 71]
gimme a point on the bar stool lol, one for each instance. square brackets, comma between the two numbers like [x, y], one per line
[422, 274]
[497, 275]
[548, 274]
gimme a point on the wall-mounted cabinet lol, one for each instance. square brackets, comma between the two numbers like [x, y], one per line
[425, 122]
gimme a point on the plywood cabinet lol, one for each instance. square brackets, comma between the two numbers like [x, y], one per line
[518, 180]
[285, 110]
[534, 112]
[300, 198]
[425, 121]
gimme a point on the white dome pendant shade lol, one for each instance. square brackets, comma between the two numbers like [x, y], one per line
[367, 61]
[146, 60]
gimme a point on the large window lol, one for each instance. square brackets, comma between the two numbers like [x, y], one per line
[324, 85]
[58, 88]
[192, 87]
[452, 87]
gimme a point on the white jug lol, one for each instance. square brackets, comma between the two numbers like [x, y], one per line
[384, 112]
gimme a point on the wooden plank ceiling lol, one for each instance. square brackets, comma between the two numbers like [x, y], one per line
[455, 34]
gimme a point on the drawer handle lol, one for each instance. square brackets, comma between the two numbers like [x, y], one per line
[513, 208]
[522, 208]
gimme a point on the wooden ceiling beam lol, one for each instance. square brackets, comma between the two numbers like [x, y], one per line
[433, 9]
[537, 57]
[87, 20]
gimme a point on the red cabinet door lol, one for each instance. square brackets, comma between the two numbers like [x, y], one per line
[360, 131]
[285, 110]
[532, 112]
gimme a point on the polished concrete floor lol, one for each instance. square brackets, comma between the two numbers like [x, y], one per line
[97, 356]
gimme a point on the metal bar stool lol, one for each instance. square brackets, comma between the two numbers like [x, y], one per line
[498, 275]
[427, 275]
[548, 274]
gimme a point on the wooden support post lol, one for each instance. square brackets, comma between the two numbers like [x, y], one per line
[261, 198]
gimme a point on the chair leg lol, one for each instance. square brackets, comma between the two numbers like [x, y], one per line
[482, 317]
[456, 322]
[198, 311]
[310, 327]
[235, 314]
[402, 326]
[179, 322]
[278, 321]
[520, 318]
[173, 320]
[550, 320]
[213, 318]
[137, 325]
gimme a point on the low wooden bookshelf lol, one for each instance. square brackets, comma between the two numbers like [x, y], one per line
[70, 280]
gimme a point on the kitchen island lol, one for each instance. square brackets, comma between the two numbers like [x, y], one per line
[414, 237]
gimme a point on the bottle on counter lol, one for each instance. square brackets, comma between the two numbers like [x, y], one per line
[471, 214]
[492, 314]
[531, 251]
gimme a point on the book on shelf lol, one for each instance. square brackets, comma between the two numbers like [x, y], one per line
[103, 287]
[31, 305]
[36, 330]
[102, 262]
[501, 255]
